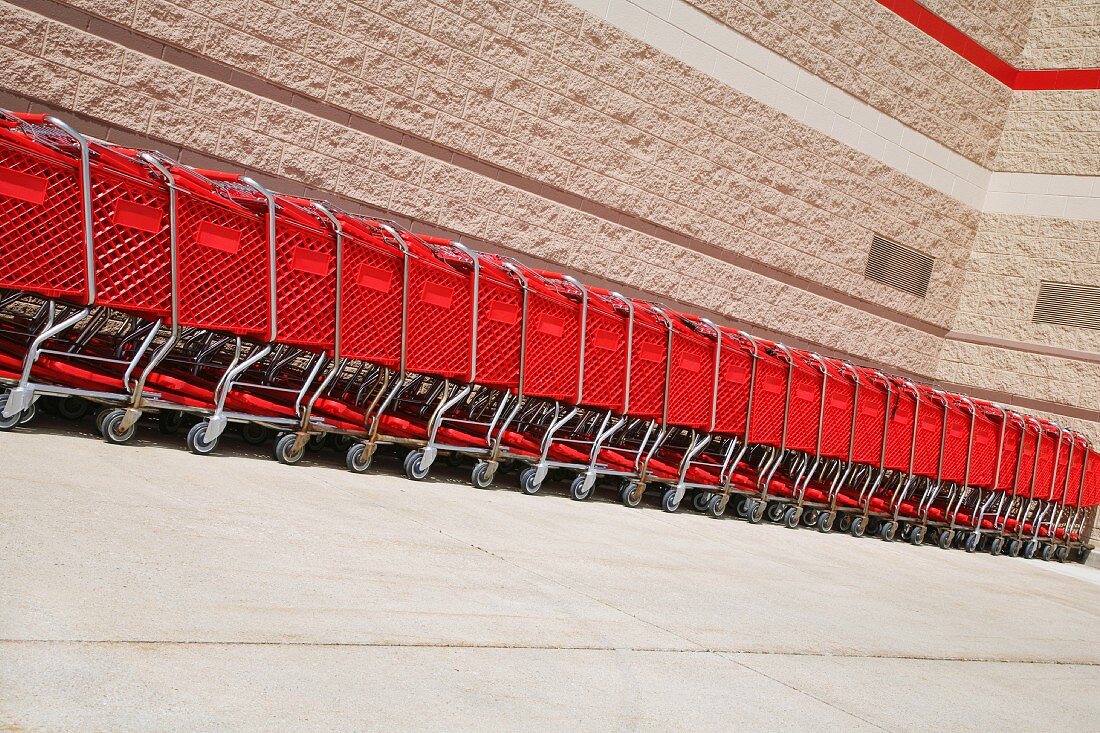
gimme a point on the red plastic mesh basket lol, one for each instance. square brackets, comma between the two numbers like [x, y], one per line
[648, 363]
[840, 395]
[132, 239]
[734, 378]
[499, 326]
[956, 442]
[983, 454]
[440, 319]
[1073, 486]
[224, 260]
[552, 365]
[1025, 468]
[1092, 480]
[691, 385]
[40, 202]
[873, 403]
[769, 396]
[371, 290]
[305, 278]
[605, 353]
[930, 423]
[899, 436]
[804, 416]
[1046, 461]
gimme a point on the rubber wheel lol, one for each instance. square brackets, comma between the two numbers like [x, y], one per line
[916, 536]
[716, 507]
[284, 449]
[945, 539]
[857, 527]
[824, 522]
[1061, 553]
[888, 530]
[316, 442]
[356, 459]
[112, 428]
[845, 523]
[630, 494]
[775, 511]
[757, 510]
[341, 443]
[414, 466]
[99, 418]
[8, 423]
[479, 476]
[972, 541]
[1030, 549]
[527, 482]
[170, 421]
[700, 502]
[809, 517]
[1047, 553]
[28, 414]
[197, 442]
[577, 490]
[791, 517]
[72, 407]
[1083, 555]
[996, 545]
[253, 434]
[669, 502]
[1014, 548]
[741, 507]
[454, 460]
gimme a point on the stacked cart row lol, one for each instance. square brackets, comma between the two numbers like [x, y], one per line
[142, 286]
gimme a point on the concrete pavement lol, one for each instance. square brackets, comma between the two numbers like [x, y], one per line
[147, 589]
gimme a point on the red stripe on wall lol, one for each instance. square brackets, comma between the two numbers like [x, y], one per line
[986, 60]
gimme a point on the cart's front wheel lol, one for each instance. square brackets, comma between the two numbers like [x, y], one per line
[170, 421]
[285, 452]
[756, 511]
[197, 442]
[888, 530]
[113, 431]
[1014, 547]
[527, 483]
[775, 511]
[716, 507]
[357, 459]
[578, 491]
[700, 501]
[479, 476]
[253, 434]
[825, 522]
[996, 545]
[414, 466]
[72, 407]
[1048, 552]
[630, 494]
[1083, 555]
[946, 537]
[8, 423]
[857, 526]
[1030, 548]
[669, 502]
[972, 541]
[791, 517]
[916, 536]
[1061, 553]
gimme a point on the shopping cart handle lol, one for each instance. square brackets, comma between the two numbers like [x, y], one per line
[33, 119]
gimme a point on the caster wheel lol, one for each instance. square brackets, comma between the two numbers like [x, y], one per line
[888, 531]
[630, 494]
[1061, 554]
[741, 507]
[775, 511]
[972, 541]
[701, 501]
[454, 460]
[316, 442]
[9, 423]
[1047, 553]
[717, 506]
[669, 502]
[857, 526]
[996, 545]
[197, 442]
[809, 517]
[479, 476]
[284, 449]
[99, 418]
[844, 523]
[757, 509]
[916, 536]
[792, 516]
[112, 428]
[1030, 549]
[72, 407]
[170, 421]
[253, 434]
[946, 537]
[1014, 548]
[527, 481]
[357, 459]
[341, 443]
[28, 414]
[577, 490]
[824, 522]
[414, 466]
[1083, 555]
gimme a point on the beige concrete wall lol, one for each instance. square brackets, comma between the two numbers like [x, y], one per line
[1052, 132]
[537, 128]
[1064, 34]
[870, 52]
[999, 25]
[548, 92]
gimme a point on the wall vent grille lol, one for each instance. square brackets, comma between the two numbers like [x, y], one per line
[1063, 304]
[899, 266]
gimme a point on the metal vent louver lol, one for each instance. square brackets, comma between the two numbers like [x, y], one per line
[1063, 304]
[899, 266]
